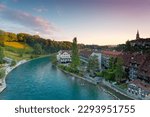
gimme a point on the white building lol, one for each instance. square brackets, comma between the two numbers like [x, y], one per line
[64, 56]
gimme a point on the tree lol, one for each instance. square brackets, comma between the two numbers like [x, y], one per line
[13, 63]
[38, 49]
[93, 65]
[2, 42]
[54, 59]
[119, 72]
[2, 73]
[128, 46]
[2, 36]
[1, 55]
[75, 55]
[112, 63]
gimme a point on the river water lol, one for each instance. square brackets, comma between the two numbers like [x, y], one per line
[40, 80]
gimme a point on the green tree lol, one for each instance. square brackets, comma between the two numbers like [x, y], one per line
[1, 55]
[13, 63]
[75, 54]
[1, 42]
[128, 46]
[54, 59]
[119, 72]
[38, 49]
[112, 62]
[2, 73]
[93, 65]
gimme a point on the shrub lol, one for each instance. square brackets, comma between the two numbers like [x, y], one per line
[13, 63]
[2, 73]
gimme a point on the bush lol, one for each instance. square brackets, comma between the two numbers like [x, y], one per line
[100, 74]
[13, 63]
[69, 69]
[2, 73]
[54, 59]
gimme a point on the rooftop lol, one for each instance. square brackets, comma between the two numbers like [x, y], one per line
[141, 84]
[111, 53]
[67, 51]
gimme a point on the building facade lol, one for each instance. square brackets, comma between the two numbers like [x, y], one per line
[139, 88]
[137, 66]
[64, 56]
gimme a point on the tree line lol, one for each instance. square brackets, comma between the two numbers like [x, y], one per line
[35, 41]
[44, 45]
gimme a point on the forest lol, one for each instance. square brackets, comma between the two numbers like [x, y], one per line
[35, 41]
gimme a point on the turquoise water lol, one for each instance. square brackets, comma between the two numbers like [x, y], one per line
[39, 80]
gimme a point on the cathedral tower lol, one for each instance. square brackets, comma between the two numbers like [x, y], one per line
[137, 35]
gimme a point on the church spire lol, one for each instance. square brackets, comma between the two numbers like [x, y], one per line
[137, 35]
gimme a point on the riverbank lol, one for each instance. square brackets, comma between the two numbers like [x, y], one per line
[8, 69]
[90, 81]
[115, 91]
[111, 90]
[106, 86]
[2, 85]
[77, 76]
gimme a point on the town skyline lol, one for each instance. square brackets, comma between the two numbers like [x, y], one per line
[102, 22]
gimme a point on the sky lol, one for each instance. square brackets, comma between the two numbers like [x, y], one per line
[102, 22]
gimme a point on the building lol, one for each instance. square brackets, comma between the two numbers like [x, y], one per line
[139, 89]
[144, 72]
[137, 66]
[142, 42]
[106, 55]
[85, 54]
[64, 56]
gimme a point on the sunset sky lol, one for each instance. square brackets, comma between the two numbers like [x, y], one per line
[102, 22]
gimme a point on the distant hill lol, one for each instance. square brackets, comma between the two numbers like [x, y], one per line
[47, 45]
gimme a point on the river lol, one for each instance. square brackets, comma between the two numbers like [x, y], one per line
[40, 80]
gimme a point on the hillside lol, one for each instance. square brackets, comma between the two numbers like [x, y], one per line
[15, 44]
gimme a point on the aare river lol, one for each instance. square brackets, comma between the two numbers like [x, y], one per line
[40, 80]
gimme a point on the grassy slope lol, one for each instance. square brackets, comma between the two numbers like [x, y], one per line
[14, 49]
[16, 56]
[15, 45]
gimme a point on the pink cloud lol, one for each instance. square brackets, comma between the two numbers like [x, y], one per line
[34, 23]
[2, 6]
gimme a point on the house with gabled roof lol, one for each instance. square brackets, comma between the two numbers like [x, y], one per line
[64, 56]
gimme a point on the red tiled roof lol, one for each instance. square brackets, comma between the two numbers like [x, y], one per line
[86, 53]
[143, 62]
[136, 58]
[145, 67]
[111, 53]
[126, 57]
